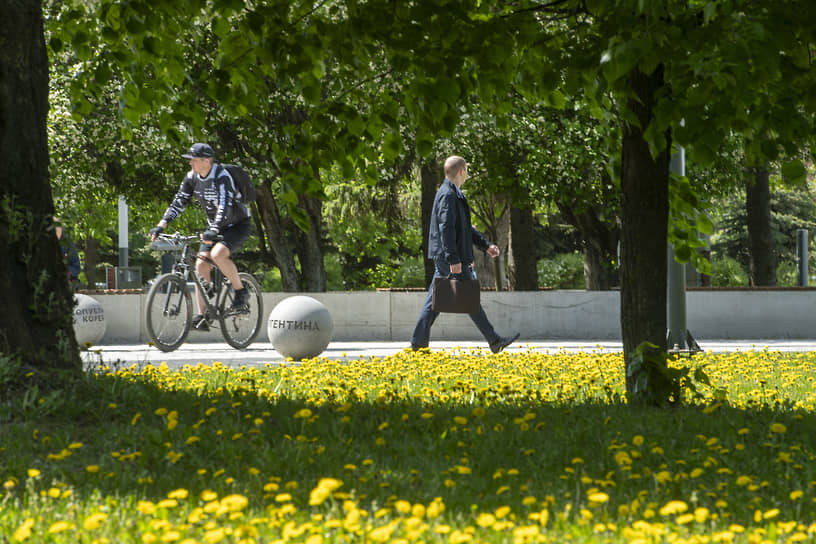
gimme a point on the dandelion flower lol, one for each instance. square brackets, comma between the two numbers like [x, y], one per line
[778, 428]
[598, 497]
[94, 521]
[24, 530]
[673, 507]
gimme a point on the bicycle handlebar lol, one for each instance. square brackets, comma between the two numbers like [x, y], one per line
[175, 241]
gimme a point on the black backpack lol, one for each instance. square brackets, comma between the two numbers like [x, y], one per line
[243, 183]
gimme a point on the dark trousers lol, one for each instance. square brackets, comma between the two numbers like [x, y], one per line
[422, 331]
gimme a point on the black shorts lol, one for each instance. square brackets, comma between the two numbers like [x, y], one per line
[234, 237]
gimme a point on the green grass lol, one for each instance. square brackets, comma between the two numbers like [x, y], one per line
[455, 446]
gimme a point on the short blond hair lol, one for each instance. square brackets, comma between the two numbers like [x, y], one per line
[453, 165]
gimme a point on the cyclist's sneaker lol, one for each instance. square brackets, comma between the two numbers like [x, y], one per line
[240, 304]
[200, 323]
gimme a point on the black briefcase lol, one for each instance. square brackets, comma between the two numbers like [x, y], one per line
[455, 296]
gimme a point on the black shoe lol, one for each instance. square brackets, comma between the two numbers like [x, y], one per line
[416, 347]
[200, 323]
[503, 342]
[240, 304]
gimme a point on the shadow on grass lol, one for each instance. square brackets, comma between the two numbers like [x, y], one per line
[122, 437]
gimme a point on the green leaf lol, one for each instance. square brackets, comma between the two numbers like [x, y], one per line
[392, 145]
[709, 11]
[794, 171]
[557, 100]
[300, 217]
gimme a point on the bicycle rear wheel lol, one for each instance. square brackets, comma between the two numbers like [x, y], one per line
[241, 328]
[169, 311]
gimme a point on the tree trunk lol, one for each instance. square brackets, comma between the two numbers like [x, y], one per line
[522, 266]
[91, 260]
[760, 240]
[35, 324]
[600, 241]
[310, 250]
[644, 222]
[431, 178]
[279, 239]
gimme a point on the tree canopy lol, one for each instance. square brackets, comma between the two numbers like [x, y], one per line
[343, 83]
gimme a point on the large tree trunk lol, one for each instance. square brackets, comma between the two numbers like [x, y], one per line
[644, 223]
[279, 243]
[35, 324]
[431, 177]
[310, 251]
[522, 265]
[760, 242]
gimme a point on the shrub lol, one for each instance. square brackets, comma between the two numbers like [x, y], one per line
[727, 272]
[564, 271]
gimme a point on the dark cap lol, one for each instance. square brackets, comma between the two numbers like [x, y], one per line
[199, 151]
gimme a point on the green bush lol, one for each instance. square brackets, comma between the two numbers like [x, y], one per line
[564, 271]
[728, 272]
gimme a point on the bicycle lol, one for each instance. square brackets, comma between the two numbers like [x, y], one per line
[168, 314]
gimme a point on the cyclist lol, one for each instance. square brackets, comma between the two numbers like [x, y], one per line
[215, 192]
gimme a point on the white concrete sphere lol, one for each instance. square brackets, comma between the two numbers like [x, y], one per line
[300, 327]
[89, 320]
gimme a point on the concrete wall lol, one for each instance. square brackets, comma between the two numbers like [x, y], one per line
[569, 315]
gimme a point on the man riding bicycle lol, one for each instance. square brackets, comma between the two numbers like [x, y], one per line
[227, 216]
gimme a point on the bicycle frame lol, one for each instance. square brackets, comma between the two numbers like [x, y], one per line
[185, 267]
[238, 326]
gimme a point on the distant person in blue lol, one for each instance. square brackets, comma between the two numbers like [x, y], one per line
[450, 245]
[69, 254]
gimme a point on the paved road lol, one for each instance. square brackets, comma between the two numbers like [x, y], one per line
[261, 353]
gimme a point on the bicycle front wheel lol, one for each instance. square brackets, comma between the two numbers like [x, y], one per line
[169, 312]
[241, 327]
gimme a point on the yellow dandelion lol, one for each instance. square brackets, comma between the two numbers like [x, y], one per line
[459, 420]
[33, 473]
[235, 502]
[59, 527]
[214, 535]
[24, 530]
[94, 521]
[180, 494]
[778, 428]
[485, 520]
[145, 507]
[208, 495]
[796, 495]
[673, 507]
[637, 440]
[770, 514]
[598, 497]
[304, 413]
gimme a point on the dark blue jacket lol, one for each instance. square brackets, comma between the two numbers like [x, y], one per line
[452, 236]
[215, 194]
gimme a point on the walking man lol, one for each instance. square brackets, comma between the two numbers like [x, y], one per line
[450, 245]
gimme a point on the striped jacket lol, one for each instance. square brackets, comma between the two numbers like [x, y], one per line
[216, 196]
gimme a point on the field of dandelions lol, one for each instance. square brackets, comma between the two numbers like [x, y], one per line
[449, 446]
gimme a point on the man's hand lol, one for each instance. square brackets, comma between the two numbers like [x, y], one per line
[155, 231]
[456, 268]
[493, 250]
[209, 235]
